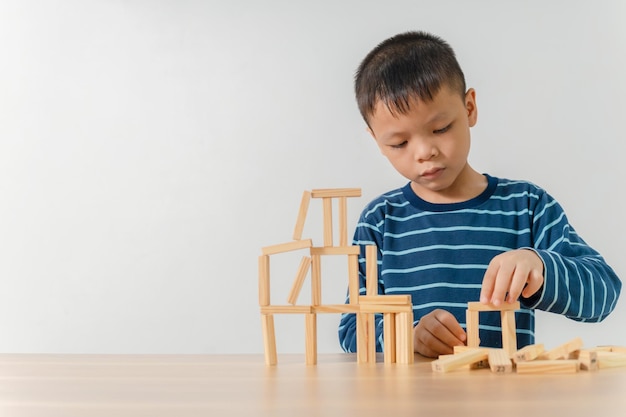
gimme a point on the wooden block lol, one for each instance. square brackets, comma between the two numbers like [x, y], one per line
[269, 339]
[528, 353]
[484, 364]
[303, 269]
[316, 280]
[471, 328]
[404, 338]
[389, 337]
[287, 247]
[328, 221]
[588, 360]
[311, 339]
[353, 279]
[335, 192]
[276, 309]
[366, 338]
[335, 250]
[478, 306]
[563, 351]
[383, 308]
[264, 280]
[462, 348]
[337, 308]
[399, 299]
[611, 359]
[371, 270]
[304, 207]
[459, 360]
[558, 366]
[509, 336]
[611, 348]
[500, 361]
[343, 221]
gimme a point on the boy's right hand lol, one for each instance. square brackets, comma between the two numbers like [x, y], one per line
[437, 333]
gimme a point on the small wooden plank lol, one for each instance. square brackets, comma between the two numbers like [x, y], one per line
[610, 348]
[484, 364]
[528, 353]
[500, 361]
[471, 328]
[478, 306]
[404, 338]
[391, 299]
[269, 339]
[371, 270]
[563, 351]
[336, 250]
[462, 348]
[611, 359]
[302, 212]
[287, 247]
[557, 366]
[303, 269]
[383, 308]
[316, 280]
[280, 309]
[353, 279]
[328, 221]
[337, 308]
[365, 341]
[389, 337]
[588, 360]
[335, 192]
[509, 335]
[343, 221]
[459, 360]
[311, 339]
[264, 280]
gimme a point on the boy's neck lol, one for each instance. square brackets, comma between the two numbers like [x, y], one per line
[468, 185]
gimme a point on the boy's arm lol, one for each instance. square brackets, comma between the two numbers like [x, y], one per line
[578, 283]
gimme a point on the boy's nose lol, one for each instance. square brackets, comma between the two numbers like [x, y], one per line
[424, 150]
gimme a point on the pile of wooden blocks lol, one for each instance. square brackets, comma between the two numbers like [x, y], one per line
[397, 310]
[569, 357]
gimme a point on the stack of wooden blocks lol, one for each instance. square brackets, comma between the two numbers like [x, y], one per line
[397, 310]
[569, 357]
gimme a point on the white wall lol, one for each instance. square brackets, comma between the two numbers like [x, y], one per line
[149, 149]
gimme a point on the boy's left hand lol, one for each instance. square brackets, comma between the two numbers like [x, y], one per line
[511, 274]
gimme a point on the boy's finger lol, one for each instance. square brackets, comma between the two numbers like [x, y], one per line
[502, 284]
[535, 282]
[520, 277]
[488, 283]
[451, 331]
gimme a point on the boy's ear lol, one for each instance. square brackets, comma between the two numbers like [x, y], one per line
[470, 105]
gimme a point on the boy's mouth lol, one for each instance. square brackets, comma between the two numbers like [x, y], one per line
[431, 173]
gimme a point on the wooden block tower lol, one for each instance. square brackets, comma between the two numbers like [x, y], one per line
[397, 311]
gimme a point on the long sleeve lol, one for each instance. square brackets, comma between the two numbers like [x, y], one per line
[578, 283]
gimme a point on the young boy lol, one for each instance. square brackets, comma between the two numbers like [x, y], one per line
[453, 235]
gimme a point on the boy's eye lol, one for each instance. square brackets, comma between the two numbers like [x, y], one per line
[443, 130]
[399, 145]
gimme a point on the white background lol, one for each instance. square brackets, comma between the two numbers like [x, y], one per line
[149, 149]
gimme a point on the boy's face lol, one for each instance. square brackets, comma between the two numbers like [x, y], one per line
[429, 144]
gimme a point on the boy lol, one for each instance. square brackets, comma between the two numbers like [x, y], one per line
[453, 235]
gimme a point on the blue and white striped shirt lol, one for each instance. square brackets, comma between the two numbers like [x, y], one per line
[438, 253]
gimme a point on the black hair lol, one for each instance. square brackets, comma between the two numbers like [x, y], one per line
[405, 66]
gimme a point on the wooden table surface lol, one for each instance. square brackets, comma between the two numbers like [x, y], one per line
[241, 385]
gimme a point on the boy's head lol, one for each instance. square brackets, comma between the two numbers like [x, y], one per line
[411, 65]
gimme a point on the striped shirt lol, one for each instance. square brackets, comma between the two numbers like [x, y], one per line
[438, 253]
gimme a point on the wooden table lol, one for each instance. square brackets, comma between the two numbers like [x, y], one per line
[241, 385]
